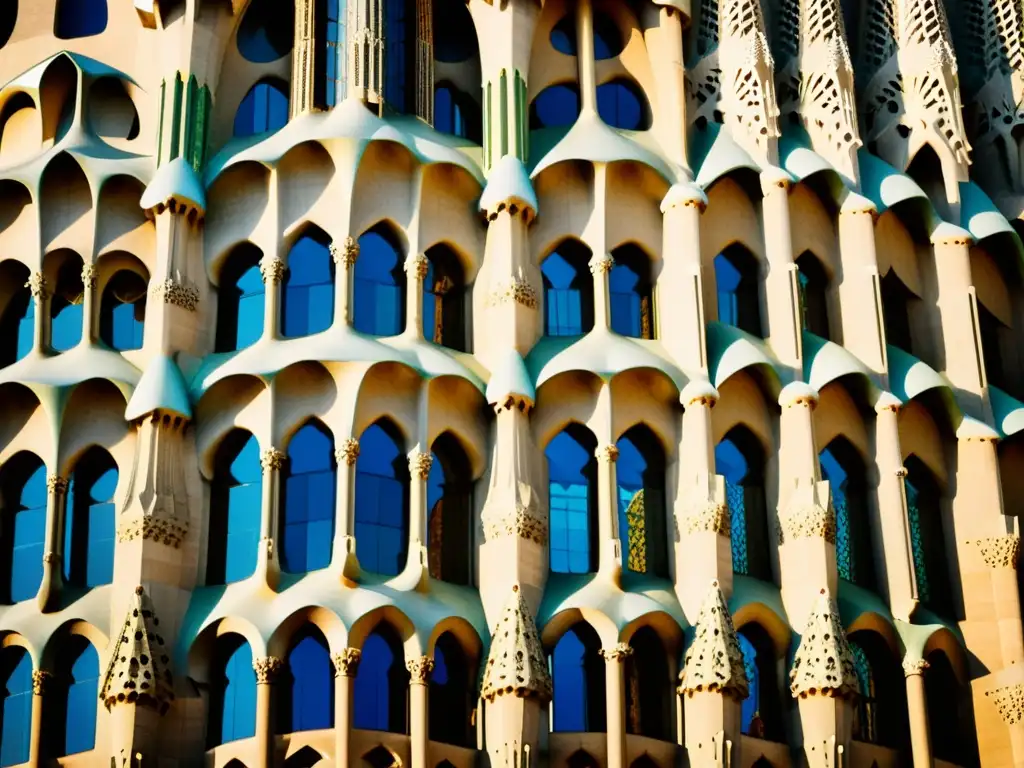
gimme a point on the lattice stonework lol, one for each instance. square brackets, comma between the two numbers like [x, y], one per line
[636, 522]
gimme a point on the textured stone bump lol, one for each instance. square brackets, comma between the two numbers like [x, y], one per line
[823, 665]
[516, 664]
[139, 669]
[714, 661]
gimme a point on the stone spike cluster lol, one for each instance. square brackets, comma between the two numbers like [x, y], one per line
[714, 661]
[139, 670]
[516, 664]
[823, 664]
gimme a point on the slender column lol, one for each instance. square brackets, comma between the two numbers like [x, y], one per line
[419, 686]
[272, 461]
[416, 268]
[344, 541]
[88, 303]
[610, 549]
[615, 689]
[585, 55]
[917, 709]
[41, 296]
[863, 331]
[267, 669]
[40, 679]
[664, 47]
[680, 297]
[892, 509]
[600, 266]
[304, 56]
[957, 311]
[56, 489]
[346, 664]
[419, 471]
[783, 326]
[272, 269]
[345, 257]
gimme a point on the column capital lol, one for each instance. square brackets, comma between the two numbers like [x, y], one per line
[913, 667]
[347, 452]
[177, 291]
[420, 464]
[267, 668]
[56, 484]
[601, 264]
[346, 253]
[417, 266]
[272, 460]
[607, 453]
[517, 290]
[271, 269]
[999, 552]
[40, 679]
[706, 516]
[807, 521]
[89, 276]
[346, 663]
[420, 669]
[619, 652]
[36, 284]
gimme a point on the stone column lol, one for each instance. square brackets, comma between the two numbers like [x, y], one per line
[680, 288]
[419, 716]
[346, 665]
[304, 53]
[272, 269]
[783, 326]
[665, 51]
[917, 709]
[267, 669]
[40, 679]
[585, 55]
[271, 461]
[49, 588]
[957, 310]
[416, 268]
[419, 470]
[345, 257]
[89, 303]
[615, 692]
[600, 266]
[860, 287]
[609, 546]
[346, 455]
[41, 297]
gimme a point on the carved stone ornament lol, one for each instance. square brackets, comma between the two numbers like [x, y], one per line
[516, 664]
[177, 292]
[51, 558]
[914, 667]
[807, 521]
[417, 266]
[40, 679]
[272, 460]
[420, 464]
[420, 670]
[139, 671]
[999, 551]
[517, 290]
[271, 269]
[607, 453]
[523, 523]
[602, 266]
[346, 663]
[706, 516]
[619, 652]
[347, 452]
[267, 668]
[714, 661]
[823, 665]
[37, 286]
[56, 484]
[89, 276]
[347, 253]
[157, 526]
[1009, 701]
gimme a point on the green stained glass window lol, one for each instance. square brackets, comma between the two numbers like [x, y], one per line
[738, 526]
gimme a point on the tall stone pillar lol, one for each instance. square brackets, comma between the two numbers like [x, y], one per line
[346, 665]
[345, 257]
[917, 710]
[419, 716]
[609, 544]
[957, 309]
[344, 557]
[267, 670]
[267, 568]
[416, 267]
[53, 550]
[615, 701]
[304, 54]
[41, 306]
[781, 296]
[89, 318]
[417, 564]
[861, 286]
[272, 270]
[601, 265]
[681, 284]
[40, 680]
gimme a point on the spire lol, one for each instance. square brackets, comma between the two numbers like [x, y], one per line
[823, 664]
[714, 661]
[138, 671]
[516, 664]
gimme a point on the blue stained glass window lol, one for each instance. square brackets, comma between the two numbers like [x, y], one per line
[66, 306]
[448, 117]
[236, 500]
[232, 692]
[15, 728]
[263, 110]
[568, 291]
[620, 105]
[450, 694]
[443, 306]
[240, 300]
[640, 476]
[812, 282]
[864, 727]
[607, 40]
[736, 280]
[381, 683]
[378, 307]
[842, 467]
[449, 512]
[80, 18]
[630, 294]
[307, 517]
[123, 311]
[307, 304]
[927, 537]
[740, 461]
[90, 521]
[266, 31]
[750, 705]
[24, 487]
[577, 672]
[81, 674]
[399, 79]
[310, 696]
[572, 500]
[17, 325]
[555, 105]
[335, 52]
[382, 500]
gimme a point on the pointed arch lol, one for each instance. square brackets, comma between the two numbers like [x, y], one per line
[232, 709]
[640, 477]
[813, 283]
[15, 705]
[761, 711]
[72, 696]
[572, 499]
[90, 520]
[449, 512]
[648, 687]
[382, 499]
[381, 686]
[444, 290]
[123, 309]
[67, 301]
[241, 296]
[451, 692]
[307, 293]
[950, 714]
[578, 678]
[23, 490]
[927, 537]
[306, 697]
[307, 757]
[266, 31]
[236, 498]
[582, 759]
[841, 464]
[264, 109]
[568, 290]
[17, 312]
[740, 458]
[631, 291]
[381, 757]
[378, 305]
[881, 712]
[308, 487]
[738, 286]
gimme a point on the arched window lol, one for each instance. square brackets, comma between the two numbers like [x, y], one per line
[443, 299]
[648, 687]
[607, 38]
[927, 539]
[308, 695]
[950, 716]
[66, 306]
[622, 105]
[240, 300]
[382, 500]
[577, 672]
[556, 105]
[23, 486]
[381, 685]
[381, 757]
[236, 498]
[812, 281]
[640, 475]
[72, 702]
[450, 693]
[263, 110]
[997, 344]
[736, 279]
[582, 759]
[457, 113]
[307, 509]
[378, 307]
[842, 466]
[740, 458]
[307, 301]
[449, 511]
[896, 301]
[568, 290]
[881, 714]
[630, 288]
[332, 59]
[79, 18]
[123, 311]
[400, 58]
[16, 714]
[232, 692]
[8, 20]
[761, 711]
[572, 499]
[307, 757]
[90, 520]
[17, 317]
[266, 31]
